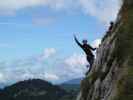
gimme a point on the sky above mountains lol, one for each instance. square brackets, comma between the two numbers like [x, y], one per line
[36, 37]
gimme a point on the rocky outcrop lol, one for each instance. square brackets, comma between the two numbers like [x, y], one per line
[112, 75]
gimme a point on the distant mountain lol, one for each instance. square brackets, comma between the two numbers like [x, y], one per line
[72, 86]
[2, 85]
[73, 81]
[35, 89]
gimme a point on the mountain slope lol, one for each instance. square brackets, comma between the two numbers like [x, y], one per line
[112, 75]
[72, 87]
[73, 81]
[35, 89]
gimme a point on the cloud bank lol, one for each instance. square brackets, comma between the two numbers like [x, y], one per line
[96, 43]
[103, 10]
[48, 52]
[47, 66]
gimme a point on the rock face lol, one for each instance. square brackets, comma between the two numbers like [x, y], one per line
[112, 75]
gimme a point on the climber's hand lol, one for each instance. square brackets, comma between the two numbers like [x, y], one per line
[95, 49]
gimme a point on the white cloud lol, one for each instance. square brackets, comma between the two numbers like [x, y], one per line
[56, 71]
[1, 77]
[76, 64]
[25, 76]
[17, 5]
[48, 52]
[96, 43]
[104, 10]
[76, 60]
[51, 77]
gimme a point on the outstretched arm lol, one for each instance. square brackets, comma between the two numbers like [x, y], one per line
[92, 47]
[76, 40]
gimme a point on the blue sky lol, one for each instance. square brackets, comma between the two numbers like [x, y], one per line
[36, 37]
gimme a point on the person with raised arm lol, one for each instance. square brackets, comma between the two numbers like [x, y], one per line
[88, 51]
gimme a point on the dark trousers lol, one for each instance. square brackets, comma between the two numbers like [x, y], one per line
[90, 59]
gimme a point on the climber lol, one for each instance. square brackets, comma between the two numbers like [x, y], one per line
[110, 27]
[88, 51]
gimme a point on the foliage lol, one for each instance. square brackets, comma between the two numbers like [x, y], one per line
[35, 89]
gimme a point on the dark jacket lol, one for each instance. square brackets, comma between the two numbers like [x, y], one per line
[86, 47]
